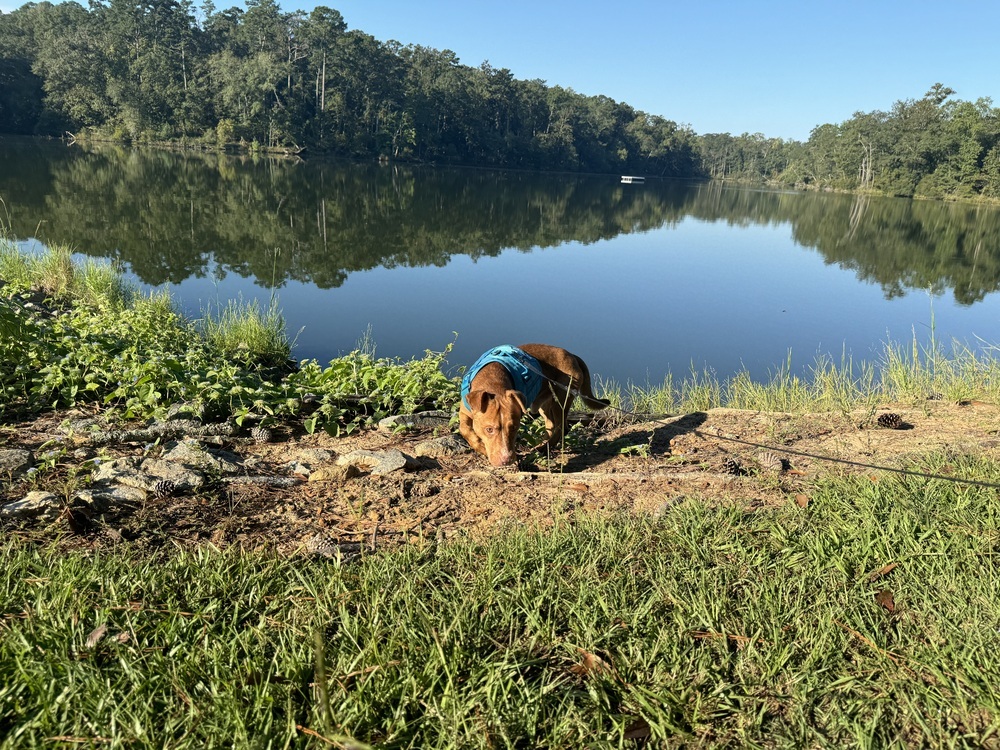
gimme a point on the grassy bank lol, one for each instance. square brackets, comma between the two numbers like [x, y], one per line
[84, 337]
[134, 355]
[870, 618]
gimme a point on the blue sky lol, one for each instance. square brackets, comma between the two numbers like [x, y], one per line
[777, 67]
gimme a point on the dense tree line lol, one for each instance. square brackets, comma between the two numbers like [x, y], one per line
[934, 147]
[143, 70]
[160, 70]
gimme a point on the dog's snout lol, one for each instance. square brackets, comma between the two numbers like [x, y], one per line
[503, 457]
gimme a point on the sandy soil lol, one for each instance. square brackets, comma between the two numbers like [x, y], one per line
[719, 455]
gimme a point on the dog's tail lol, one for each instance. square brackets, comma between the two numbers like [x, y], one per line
[586, 390]
[592, 402]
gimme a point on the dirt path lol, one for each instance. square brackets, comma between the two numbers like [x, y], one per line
[638, 467]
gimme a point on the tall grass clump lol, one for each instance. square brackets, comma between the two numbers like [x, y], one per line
[701, 391]
[911, 373]
[869, 618]
[248, 332]
[99, 283]
[917, 372]
[651, 400]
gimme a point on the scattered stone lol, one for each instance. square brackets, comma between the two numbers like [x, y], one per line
[446, 445]
[379, 462]
[335, 473]
[424, 420]
[103, 496]
[143, 474]
[14, 462]
[160, 470]
[121, 471]
[314, 456]
[192, 454]
[40, 506]
[296, 467]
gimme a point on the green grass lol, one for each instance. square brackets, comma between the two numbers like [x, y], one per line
[93, 282]
[908, 373]
[709, 626]
[248, 332]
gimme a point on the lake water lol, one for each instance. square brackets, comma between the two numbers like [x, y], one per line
[640, 280]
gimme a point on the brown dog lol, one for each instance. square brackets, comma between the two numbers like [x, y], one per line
[508, 381]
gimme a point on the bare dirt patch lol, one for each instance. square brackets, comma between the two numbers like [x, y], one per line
[757, 459]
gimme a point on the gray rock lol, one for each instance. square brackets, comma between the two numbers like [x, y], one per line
[192, 454]
[446, 445]
[183, 478]
[105, 495]
[14, 462]
[300, 469]
[379, 462]
[424, 420]
[120, 471]
[313, 457]
[41, 506]
[143, 474]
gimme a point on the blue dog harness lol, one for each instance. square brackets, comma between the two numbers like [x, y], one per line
[523, 369]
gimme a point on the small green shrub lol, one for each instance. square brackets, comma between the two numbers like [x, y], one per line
[248, 333]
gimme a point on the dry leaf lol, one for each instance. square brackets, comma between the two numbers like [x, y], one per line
[883, 571]
[590, 664]
[123, 637]
[637, 730]
[884, 599]
[802, 500]
[95, 635]
[579, 487]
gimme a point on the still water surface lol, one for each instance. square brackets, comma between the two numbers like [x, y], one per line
[640, 280]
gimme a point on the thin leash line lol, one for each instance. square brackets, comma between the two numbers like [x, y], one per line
[789, 451]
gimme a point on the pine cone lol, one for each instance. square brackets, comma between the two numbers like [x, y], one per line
[731, 466]
[163, 488]
[890, 421]
[770, 462]
[261, 434]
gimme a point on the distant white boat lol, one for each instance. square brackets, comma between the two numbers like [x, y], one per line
[631, 180]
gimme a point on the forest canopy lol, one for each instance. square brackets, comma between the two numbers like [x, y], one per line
[162, 70]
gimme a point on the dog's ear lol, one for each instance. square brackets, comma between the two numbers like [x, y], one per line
[519, 398]
[480, 400]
